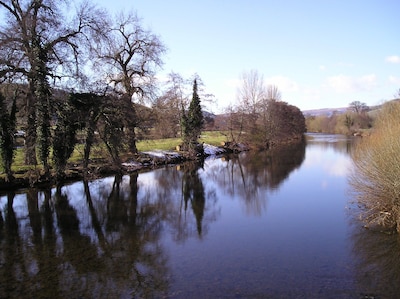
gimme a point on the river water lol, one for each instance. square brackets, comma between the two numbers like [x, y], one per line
[259, 225]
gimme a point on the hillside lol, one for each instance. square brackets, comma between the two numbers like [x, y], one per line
[325, 111]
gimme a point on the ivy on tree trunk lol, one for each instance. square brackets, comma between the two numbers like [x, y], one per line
[7, 130]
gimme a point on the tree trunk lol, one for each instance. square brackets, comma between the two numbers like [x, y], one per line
[30, 133]
[88, 145]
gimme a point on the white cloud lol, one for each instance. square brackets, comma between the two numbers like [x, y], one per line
[284, 84]
[393, 59]
[369, 80]
[322, 67]
[311, 94]
[342, 83]
[233, 83]
[394, 80]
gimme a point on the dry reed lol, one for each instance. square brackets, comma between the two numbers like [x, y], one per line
[375, 179]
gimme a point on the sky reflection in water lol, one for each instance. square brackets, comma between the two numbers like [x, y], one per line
[268, 224]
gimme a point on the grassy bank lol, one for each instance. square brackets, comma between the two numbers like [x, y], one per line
[99, 152]
[209, 137]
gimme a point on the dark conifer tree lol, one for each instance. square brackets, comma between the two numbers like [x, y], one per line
[192, 121]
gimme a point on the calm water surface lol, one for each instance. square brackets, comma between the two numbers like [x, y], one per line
[257, 225]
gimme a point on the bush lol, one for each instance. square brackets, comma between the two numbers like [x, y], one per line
[375, 180]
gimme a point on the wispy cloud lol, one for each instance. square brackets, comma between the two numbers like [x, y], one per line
[394, 80]
[393, 59]
[284, 84]
[232, 82]
[342, 83]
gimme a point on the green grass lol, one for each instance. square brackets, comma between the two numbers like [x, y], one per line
[210, 137]
[161, 144]
[213, 137]
[98, 151]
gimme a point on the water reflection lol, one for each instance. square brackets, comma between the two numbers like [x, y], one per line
[70, 250]
[181, 232]
[377, 262]
[251, 176]
[102, 238]
[187, 205]
[339, 143]
[193, 192]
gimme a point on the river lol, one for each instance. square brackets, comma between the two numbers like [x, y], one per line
[256, 225]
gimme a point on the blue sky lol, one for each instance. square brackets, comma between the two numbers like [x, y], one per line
[320, 54]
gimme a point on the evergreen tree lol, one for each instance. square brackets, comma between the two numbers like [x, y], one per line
[192, 121]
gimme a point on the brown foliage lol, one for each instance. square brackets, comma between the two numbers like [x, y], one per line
[375, 180]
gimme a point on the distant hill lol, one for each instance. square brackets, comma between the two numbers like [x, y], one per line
[312, 112]
[325, 111]
[330, 111]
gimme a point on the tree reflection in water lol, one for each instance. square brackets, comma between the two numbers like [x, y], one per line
[104, 238]
[187, 206]
[193, 192]
[377, 262]
[252, 175]
[339, 143]
[57, 256]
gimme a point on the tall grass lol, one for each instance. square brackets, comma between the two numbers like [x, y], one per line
[375, 180]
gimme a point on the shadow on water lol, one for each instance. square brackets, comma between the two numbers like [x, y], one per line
[187, 205]
[127, 236]
[193, 193]
[53, 244]
[251, 175]
[377, 262]
[101, 239]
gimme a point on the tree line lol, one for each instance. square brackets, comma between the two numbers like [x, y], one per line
[85, 74]
[354, 120]
[103, 64]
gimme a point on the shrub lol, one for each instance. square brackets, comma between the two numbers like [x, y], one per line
[375, 179]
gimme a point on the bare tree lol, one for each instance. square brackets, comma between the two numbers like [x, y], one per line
[130, 56]
[167, 117]
[263, 116]
[175, 99]
[39, 42]
[397, 94]
[168, 107]
[273, 93]
[358, 107]
[251, 92]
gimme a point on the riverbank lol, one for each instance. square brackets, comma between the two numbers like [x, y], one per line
[101, 167]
